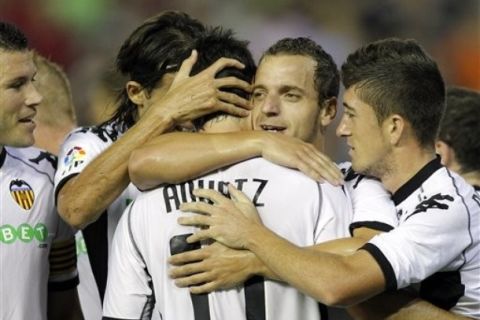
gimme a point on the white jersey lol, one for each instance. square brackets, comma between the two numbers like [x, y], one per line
[88, 295]
[292, 205]
[80, 148]
[372, 204]
[437, 241]
[37, 249]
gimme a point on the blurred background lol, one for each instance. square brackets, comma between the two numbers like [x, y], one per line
[83, 36]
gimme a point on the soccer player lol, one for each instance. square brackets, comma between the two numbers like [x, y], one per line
[294, 95]
[92, 186]
[56, 117]
[54, 120]
[393, 102]
[149, 233]
[458, 142]
[38, 275]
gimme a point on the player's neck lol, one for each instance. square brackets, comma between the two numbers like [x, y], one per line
[50, 139]
[406, 164]
[319, 142]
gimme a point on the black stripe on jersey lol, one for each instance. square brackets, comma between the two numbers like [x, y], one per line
[255, 298]
[147, 310]
[63, 285]
[388, 273]
[45, 155]
[96, 241]
[443, 289]
[375, 225]
[418, 179]
[3, 155]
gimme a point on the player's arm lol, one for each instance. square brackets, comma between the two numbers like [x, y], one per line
[422, 310]
[128, 293]
[357, 277]
[83, 198]
[63, 302]
[400, 305]
[218, 267]
[181, 156]
[64, 305]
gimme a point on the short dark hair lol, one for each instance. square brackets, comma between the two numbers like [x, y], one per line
[397, 76]
[217, 43]
[326, 76]
[460, 127]
[11, 38]
[155, 48]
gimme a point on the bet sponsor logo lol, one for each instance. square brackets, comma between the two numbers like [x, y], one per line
[74, 157]
[22, 193]
[81, 246]
[24, 233]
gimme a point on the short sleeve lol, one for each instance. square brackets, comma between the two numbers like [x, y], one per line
[78, 150]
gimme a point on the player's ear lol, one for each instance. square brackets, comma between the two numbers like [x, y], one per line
[447, 154]
[136, 93]
[395, 128]
[328, 111]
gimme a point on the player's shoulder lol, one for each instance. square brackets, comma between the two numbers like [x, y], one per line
[447, 182]
[104, 133]
[357, 182]
[32, 159]
[271, 169]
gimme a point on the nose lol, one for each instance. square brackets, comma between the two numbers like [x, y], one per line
[343, 129]
[33, 98]
[271, 105]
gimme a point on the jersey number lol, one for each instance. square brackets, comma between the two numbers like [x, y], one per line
[254, 287]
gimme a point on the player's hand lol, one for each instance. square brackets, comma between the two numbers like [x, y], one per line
[230, 222]
[297, 154]
[211, 268]
[190, 97]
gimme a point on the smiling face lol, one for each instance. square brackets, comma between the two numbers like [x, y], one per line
[367, 139]
[285, 97]
[18, 98]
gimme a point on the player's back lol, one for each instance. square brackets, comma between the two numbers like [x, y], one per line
[292, 205]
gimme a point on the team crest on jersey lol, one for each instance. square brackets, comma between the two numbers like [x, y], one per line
[22, 193]
[74, 158]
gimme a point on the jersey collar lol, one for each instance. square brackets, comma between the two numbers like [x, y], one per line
[3, 155]
[416, 181]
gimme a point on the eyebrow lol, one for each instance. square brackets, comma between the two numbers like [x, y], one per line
[348, 107]
[258, 86]
[283, 88]
[287, 88]
[21, 78]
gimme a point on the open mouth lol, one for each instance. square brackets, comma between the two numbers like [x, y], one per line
[27, 120]
[271, 128]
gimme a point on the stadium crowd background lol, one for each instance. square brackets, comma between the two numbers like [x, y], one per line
[84, 35]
